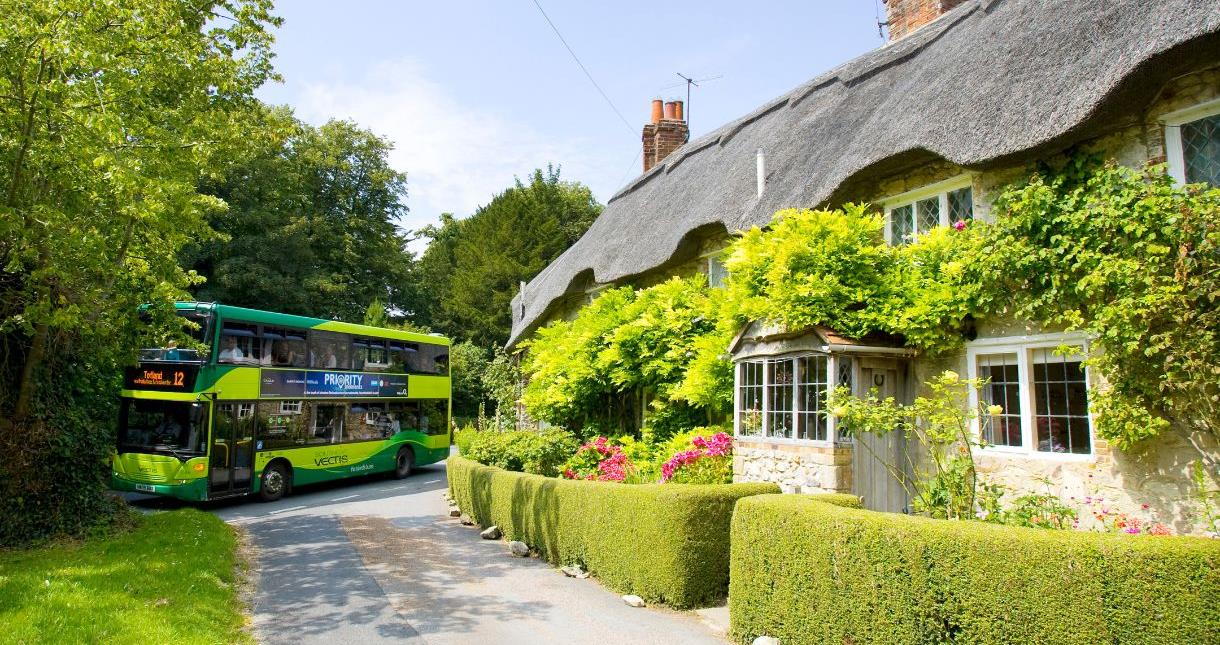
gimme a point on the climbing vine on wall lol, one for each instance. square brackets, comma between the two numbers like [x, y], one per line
[1122, 255]
[1132, 260]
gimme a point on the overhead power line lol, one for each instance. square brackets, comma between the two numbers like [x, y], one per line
[583, 68]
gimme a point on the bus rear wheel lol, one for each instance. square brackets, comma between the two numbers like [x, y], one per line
[403, 463]
[274, 482]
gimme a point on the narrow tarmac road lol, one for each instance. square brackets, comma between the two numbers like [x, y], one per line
[377, 560]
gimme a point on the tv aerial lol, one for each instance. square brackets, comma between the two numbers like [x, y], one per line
[688, 82]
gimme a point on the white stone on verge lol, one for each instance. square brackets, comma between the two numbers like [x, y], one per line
[634, 601]
[765, 640]
[491, 533]
[519, 549]
[574, 571]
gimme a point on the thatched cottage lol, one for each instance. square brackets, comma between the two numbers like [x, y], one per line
[963, 98]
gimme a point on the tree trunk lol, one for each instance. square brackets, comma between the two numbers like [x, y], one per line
[29, 371]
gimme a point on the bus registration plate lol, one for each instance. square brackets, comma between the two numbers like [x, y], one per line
[146, 488]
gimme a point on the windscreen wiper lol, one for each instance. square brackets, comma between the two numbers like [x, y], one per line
[172, 451]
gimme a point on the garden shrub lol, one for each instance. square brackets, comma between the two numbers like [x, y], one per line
[541, 452]
[463, 437]
[604, 527]
[805, 571]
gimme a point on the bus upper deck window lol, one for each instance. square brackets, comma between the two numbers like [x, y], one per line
[237, 344]
[283, 347]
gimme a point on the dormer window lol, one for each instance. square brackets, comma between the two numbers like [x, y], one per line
[918, 211]
[1192, 143]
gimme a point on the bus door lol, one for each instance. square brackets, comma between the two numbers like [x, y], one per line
[232, 460]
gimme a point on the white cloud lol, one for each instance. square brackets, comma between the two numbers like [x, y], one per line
[456, 156]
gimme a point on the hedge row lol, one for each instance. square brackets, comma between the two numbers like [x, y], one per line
[808, 572]
[663, 542]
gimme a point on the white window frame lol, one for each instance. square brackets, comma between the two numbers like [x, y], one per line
[1175, 156]
[1023, 347]
[940, 190]
[245, 410]
[832, 371]
[710, 258]
[290, 406]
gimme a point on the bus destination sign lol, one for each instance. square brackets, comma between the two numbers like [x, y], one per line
[298, 384]
[165, 378]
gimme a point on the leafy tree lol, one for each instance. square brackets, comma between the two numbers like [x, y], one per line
[502, 381]
[312, 224]
[473, 266]
[433, 274]
[467, 363]
[593, 373]
[109, 113]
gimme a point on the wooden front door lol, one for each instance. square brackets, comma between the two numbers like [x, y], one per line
[880, 463]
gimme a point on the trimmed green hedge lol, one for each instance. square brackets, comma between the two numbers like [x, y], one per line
[808, 572]
[663, 542]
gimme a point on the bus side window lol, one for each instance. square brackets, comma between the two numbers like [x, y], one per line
[329, 351]
[375, 359]
[283, 347]
[327, 423]
[401, 354]
[366, 422]
[237, 344]
[434, 416]
[283, 424]
[406, 415]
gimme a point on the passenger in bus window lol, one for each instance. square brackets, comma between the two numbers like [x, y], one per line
[282, 354]
[329, 360]
[231, 353]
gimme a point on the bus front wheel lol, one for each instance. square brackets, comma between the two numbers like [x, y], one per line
[274, 482]
[403, 463]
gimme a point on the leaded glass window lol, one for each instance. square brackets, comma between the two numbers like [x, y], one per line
[1061, 403]
[1201, 150]
[845, 378]
[920, 211]
[750, 398]
[901, 226]
[780, 396]
[1002, 389]
[929, 214]
[961, 205]
[811, 397]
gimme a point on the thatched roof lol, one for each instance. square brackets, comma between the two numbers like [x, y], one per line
[990, 82]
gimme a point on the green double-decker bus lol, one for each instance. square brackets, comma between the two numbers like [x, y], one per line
[263, 401]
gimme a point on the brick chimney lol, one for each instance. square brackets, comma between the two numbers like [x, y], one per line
[905, 16]
[666, 132]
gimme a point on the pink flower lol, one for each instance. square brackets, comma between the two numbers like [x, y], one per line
[959, 225]
[1133, 530]
[1144, 506]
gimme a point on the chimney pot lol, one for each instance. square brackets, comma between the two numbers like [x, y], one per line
[667, 132]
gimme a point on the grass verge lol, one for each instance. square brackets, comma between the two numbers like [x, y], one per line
[171, 578]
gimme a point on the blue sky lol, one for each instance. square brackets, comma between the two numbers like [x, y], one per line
[475, 93]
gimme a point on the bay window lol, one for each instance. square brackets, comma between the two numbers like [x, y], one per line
[785, 397]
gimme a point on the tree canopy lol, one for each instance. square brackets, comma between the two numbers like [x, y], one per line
[312, 226]
[472, 268]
